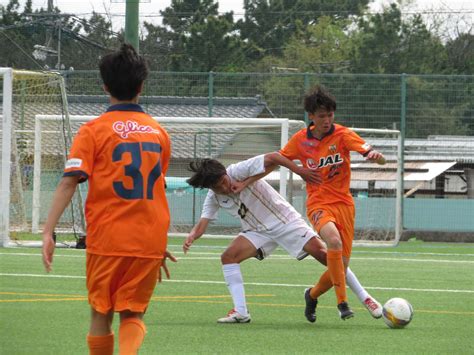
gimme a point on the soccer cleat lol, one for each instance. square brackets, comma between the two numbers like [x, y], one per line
[374, 307]
[234, 317]
[344, 311]
[310, 309]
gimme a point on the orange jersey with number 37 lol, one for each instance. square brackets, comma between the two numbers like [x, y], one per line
[331, 157]
[124, 154]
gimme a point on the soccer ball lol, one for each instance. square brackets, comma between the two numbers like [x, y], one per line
[397, 313]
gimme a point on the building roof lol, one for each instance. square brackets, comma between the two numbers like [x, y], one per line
[434, 148]
[174, 106]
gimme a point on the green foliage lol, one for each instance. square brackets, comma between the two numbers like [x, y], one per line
[460, 53]
[323, 47]
[315, 36]
[194, 37]
[386, 43]
[269, 24]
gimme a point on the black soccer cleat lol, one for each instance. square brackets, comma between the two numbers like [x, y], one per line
[310, 309]
[344, 311]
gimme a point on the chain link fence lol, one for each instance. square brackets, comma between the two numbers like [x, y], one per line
[423, 104]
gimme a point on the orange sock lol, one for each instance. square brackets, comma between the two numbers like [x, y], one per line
[322, 286]
[338, 277]
[101, 345]
[131, 334]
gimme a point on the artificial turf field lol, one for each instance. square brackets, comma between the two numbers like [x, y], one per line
[49, 314]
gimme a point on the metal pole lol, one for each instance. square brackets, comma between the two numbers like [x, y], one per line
[131, 22]
[306, 88]
[59, 45]
[6, 157]
[283, 171]
[401, 154]
[211, 94]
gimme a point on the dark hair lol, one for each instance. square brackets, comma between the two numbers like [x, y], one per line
[319, 98]
[123, 72]
[207, 173]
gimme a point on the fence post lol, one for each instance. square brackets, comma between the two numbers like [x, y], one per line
[210, 93]
[306, 88]
[403, 117]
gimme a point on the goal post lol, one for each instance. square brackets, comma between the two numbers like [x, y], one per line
[378, 189]
[5, 160]
[24, 94]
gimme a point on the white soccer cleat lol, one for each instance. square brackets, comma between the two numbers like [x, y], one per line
[374, 307]
[234, 317]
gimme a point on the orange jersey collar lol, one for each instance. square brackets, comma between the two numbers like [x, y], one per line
[309, 134]
[125, 107]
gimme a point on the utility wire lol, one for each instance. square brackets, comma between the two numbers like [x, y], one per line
[21, 49]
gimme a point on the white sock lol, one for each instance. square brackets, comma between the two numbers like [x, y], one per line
[235, 284]
[355, 285]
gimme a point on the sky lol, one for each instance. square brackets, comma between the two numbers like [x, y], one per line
[149, 9]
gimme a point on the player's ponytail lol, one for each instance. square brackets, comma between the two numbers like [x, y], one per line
[207, 173]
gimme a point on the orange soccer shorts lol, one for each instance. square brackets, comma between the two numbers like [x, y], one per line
[342, 215]
[120, 283]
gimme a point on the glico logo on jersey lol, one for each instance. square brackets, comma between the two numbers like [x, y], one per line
[324, 161]
[123, 129]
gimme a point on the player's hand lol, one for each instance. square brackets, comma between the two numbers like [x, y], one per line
[310, 176]
[48, 251]
[376, 156]
[170, 256]
[238, 186]
[187, 243]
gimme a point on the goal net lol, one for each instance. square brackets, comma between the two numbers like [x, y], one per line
[25, 94]
[377, 189]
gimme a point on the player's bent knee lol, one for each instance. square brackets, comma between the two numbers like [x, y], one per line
[334, 243]
[229, 258]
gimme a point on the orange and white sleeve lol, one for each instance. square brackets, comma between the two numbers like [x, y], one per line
[81, 157]
[354, 142]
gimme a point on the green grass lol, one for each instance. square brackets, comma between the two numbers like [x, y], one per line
[49, 314]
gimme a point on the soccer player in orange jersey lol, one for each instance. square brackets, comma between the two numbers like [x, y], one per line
[124, 155]
[324, 150]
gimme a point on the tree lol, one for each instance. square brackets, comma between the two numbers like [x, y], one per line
[194, 37]
[269, 24]
[323, 47]
[387, 44]
[460, 52]
[18, 34]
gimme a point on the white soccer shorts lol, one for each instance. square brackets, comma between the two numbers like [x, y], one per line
[292, 237]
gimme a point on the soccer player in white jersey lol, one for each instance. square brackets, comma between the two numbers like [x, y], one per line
[268, 220]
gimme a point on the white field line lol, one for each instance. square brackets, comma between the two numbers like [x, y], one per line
[216, 256]
[354, 251]
[246, 283]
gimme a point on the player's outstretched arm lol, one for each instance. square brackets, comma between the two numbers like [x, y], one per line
[61, 199]
[196, 233]
[376, 157]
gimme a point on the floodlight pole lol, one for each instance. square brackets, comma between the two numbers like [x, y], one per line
[131, 22]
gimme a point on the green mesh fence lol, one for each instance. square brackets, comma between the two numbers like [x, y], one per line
[434, 104]
[423, 107]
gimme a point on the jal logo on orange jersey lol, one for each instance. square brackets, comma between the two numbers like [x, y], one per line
[325, 161]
